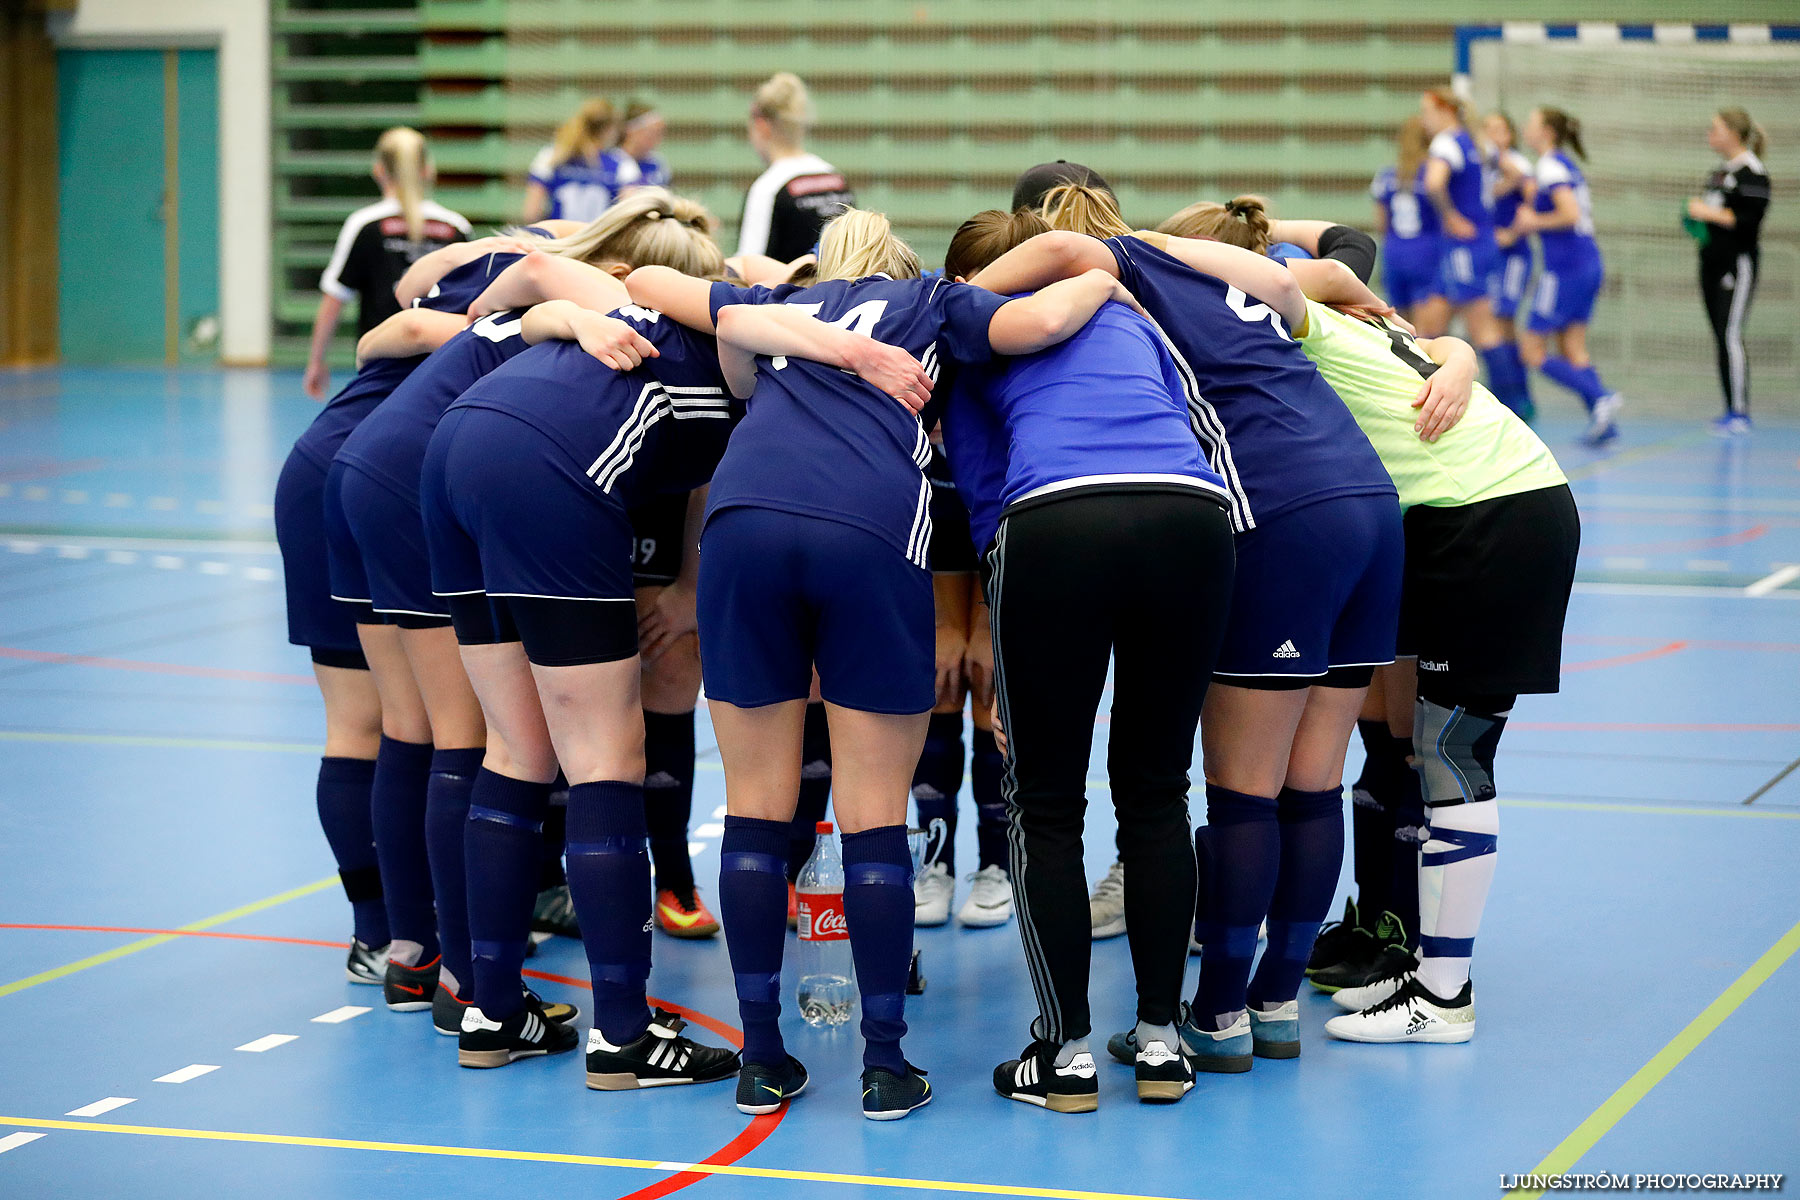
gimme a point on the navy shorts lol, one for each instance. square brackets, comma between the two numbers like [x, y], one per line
[388, 533]
[510, 514]
[781, 593]
[1565, 297]
[314, 618]
[1409, 269]
[1318, 588]
[1506, 286]
[1466, 267]
[344, 567]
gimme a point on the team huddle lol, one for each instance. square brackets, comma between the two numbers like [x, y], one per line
[591, 466]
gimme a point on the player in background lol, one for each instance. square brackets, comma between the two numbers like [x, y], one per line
[633, 162]
[1457, 187]
[1410, 238]
[1730, 216]
[377, 244]
[1511, 182]
[1561, 214]
[572, 179]
[789, 203]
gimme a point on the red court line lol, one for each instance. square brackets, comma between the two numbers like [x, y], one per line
[153, 668]
[753, 1135]
[1620, 660]
[1683, 545]
[1619, 639]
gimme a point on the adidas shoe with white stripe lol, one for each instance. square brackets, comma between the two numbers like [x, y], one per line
[1034, 1078]
[1164, 1074]
[1411, 1014]
[524, 1034]
[658, 1057]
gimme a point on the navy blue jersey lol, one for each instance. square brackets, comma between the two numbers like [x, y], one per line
[1468, 185]
[460, 287]
[1565, 249]
[1269, 425]
[660, 428]
[1410, 214]
[390, 443]
[1107, 406]
[822, 443]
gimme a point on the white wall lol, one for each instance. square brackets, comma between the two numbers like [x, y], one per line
[240, 30]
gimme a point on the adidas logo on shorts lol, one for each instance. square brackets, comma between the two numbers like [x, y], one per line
[1286, 650]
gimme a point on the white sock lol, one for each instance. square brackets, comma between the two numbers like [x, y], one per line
[1453, 894]
[407, 954]
[1069, 1050]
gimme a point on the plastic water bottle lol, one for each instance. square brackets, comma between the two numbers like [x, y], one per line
[827, 992]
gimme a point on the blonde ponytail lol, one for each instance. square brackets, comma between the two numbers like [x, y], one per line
[858, 242]
[1083, 209]
[783, 102]
[1748, 132]
[1243, 221]
[404, 160]
[651, 226]
[589, 129]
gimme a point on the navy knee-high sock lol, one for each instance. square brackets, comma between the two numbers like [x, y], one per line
[397, 811]
[815, 790]
[753, 909]
[501, 841]
[1507, 376]
[1312, 854]
[878, 906]
[344, 793]
[985, 768]
[1403, 852]
[556, 833]
[936, 782]
[446, 814]
[1246, 857]
[669, 795]
[609, 880]
[1580, 380]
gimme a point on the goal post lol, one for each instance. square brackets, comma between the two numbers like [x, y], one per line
[1644, 95]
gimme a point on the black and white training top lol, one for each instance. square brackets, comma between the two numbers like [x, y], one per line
[788, 204]
[373, 252]
[1742, 185]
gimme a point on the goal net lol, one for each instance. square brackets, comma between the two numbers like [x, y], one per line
[1644, 109]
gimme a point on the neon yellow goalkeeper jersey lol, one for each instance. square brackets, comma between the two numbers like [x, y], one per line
[1378, 372]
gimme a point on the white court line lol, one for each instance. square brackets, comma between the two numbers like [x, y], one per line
[22, 546]
[190, 545]
[1624, 563]
[1774, 580]
[697, 847]
[1708, 564]
[719, 813]
[166, 562]
[13, 1141]
[213, 567]
[268, 1041]
[101, 1106]
[338, 1016]
[710, 830]
[164, 503]
[74, 497]
[194, 1071]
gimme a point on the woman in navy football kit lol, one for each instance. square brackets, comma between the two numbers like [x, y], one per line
[1315, 601]
[360, 716]
[1562, 216]
[1107, 538]
[379, 555]
[1513, 185]
[1456, 184]
[814, 553]
[1408, 225]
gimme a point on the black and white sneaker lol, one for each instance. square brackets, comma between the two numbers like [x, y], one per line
[762, 1089]
[525, 1034]
[1392, 966]
[658, 1057]
[1336, 940]
[447, 1010]
[366, 964]
[1034, 1078]
[1411, 1014]
[410, 989]
[888, 1097]
[554, 913]
[1164, 1074]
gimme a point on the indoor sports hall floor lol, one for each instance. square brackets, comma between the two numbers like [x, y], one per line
[176, 1020]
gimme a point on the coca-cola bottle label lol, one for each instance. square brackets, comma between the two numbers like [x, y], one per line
[822, 918]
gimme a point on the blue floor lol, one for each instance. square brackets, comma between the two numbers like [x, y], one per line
[161, 738]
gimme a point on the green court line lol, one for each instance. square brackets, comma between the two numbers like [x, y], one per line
[1669, 810]
[1602, 1119]
[117, 952]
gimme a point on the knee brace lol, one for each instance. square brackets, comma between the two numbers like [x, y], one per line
[1455, 749]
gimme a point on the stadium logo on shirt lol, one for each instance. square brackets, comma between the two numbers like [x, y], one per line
[1426, 664]
[1286, 650]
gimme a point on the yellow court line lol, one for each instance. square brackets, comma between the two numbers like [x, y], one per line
[134, 739]
[106, 956]
[1654, 809]
[1609, 1114]
[585, 1160]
